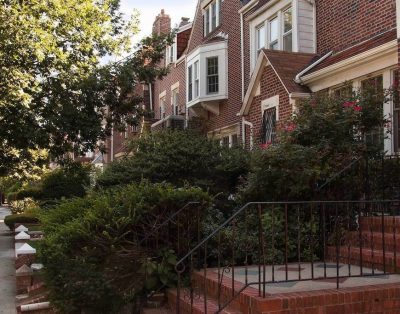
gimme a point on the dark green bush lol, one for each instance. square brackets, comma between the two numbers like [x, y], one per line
[179, 157]
[11, 220]
[92, 253]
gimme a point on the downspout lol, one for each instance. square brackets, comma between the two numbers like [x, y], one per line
[248, 123]
[242, 50]
[151, 96]
[298, 76]
[35, 307]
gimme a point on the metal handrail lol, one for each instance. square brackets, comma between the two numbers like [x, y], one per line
[240, 210]
[166, 222]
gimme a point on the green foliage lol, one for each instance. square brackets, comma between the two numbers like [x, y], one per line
[22, 206]
[92, 253]
[11, 220]
[179, 157]
[326, 135]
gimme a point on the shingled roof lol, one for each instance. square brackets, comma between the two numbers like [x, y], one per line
[375, 42]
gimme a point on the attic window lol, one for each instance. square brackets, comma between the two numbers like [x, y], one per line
[212, 16]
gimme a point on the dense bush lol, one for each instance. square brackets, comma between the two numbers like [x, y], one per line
[92, 253]
[179, 157]
[11, 220]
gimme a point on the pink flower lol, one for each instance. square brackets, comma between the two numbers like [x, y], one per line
[266, 145]
[349, 104]
[290, 127]
[357, 108]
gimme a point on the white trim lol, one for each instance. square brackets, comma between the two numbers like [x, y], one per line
[175, 86]
[398, 17]
[185, 27]
[361, 58]
[251, 135]
[388, 112]
[272, 102]
[162, 94]
[299, 95]
[248, 6]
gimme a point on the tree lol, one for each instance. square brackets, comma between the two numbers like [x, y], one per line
[53, 90]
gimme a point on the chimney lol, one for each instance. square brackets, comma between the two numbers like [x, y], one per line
[184, 21]
[162, 24]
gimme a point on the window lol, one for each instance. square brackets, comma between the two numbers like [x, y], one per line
[234, 140]
[287, 30]
[273, 34]
[174, 101]
[162, 108]
[212, 75]
[170, 56]
[225, 141]
[268, 133]
[212, 16]
[396, 111]
[343, 91]
[190, 83]
[260, 38]
[373, 88]
[196, 80]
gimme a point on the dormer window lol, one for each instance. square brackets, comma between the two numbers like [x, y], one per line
[212, 16]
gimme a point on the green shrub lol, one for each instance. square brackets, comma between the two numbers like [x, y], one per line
[11, 220]
[92, 253]
[22, 206]
[179, 157]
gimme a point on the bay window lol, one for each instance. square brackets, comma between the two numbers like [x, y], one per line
[196, 79]
[287, 30]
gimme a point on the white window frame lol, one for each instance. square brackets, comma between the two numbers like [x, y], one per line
[270, 103]
[212, 75]
[208, 16]
[171, 54]
[162, 101]
[175, 100]
[196, 79]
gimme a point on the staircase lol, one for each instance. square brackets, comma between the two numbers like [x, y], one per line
[375, 245]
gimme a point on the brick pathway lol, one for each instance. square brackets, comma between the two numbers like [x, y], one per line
[7, 270]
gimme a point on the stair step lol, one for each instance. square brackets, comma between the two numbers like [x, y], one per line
[370, 258]
[199, 304]
[374, 240]
[374, 224]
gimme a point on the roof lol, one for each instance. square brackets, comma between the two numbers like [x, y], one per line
[286, 65]
[364, 46]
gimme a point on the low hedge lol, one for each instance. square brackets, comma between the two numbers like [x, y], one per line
[11, 220]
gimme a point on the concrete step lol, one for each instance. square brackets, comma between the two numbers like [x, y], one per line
[370, 258]
[374, 240]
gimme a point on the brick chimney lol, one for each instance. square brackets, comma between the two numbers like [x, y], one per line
[162, 24]
[184, 21]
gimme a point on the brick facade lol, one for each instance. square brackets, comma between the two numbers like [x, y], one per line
[340, 25]
[344, 23]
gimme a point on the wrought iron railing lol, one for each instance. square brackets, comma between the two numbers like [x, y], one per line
[274, 242]
[369, 177]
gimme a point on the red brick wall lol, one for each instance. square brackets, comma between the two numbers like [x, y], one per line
[270, 87]
[176, 74]
[162, 23]
[343, 23]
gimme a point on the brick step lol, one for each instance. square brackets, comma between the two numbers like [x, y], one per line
[199, 305]
[370, 258]
[390, 223]
[374, 240]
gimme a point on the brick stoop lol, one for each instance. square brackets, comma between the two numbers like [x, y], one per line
[373, 240]
[383, 298]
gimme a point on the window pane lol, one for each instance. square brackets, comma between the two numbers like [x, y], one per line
[214, 16]
[260, 37]
[274, 45]
[235, 140]
[207, 22]
[269, 126]
[287, 20]
[273, 30]
[287, 42]
[190, 80]
[212, 75]
[196, 79]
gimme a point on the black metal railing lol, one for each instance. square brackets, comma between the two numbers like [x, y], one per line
[179, 232]
[369, 177]
[267, 243]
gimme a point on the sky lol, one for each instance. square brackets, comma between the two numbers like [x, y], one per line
[149, 9]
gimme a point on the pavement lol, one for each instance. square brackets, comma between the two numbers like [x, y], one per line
[7, 270]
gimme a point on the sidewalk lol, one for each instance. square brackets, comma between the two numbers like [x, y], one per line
[7, 270]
